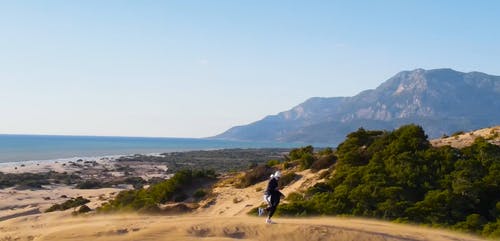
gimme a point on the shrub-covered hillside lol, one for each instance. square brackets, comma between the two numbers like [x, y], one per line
[175, 188]
[399, 176]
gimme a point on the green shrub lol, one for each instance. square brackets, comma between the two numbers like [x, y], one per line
[31, 184]
[35, 180]
[323, 162]
[272, 163]
[305, 156]
[83, 209]
[293, 209]
[326, 151]
[255, 175]
[136, 182]
[295, 197]
[199, 193]
[492, 230]
[72, 203]
[298, 153]
[398, 175]
[148, 200]
[319, 187]
[90, 184]
[287, 179]
[473, 222]
[306, 161]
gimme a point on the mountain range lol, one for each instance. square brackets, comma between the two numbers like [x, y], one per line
[442, 101]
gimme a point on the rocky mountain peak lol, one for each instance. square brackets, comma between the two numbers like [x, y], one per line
[440, 100]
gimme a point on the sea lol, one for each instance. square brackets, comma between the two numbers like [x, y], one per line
[23, 148]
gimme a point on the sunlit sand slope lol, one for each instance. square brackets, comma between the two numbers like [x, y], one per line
[62, 226]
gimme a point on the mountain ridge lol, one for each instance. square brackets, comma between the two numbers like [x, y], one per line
[441, 100]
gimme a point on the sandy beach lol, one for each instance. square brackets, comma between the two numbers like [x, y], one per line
[60, 165]
[16, 201]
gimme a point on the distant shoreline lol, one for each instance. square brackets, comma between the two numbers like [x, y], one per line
[60, 160]
[21, 148]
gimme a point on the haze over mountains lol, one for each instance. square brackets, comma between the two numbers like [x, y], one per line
[442, 101]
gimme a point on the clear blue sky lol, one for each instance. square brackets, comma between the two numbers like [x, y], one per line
[196, 68]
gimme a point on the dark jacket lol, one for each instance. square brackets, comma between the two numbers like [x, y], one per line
[272, 187]
[273, 191]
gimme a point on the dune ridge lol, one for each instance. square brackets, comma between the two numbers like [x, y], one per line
[118, 227]
[464, 139]
[219, 219]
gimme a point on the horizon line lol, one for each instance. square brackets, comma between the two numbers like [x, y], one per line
[77, 135]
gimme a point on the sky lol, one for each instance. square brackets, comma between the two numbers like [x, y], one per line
[196, 68]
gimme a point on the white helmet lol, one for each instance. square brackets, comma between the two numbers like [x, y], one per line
[277, 174]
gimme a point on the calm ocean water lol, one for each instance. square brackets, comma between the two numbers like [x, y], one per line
[15, 148]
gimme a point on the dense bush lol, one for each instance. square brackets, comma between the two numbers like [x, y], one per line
[298, 153]
[31, 184]
[72, 203]
[326, 151]
[255, 175]
[148, 200]
[271, 163]
[287, 179]
[199, 193]
[325, 161]
[304, 155]
[306, 161]
[492, 229]
[399, 175]
[83, 209]
[136, 182]
[90, 184]
[35, 180]
[295, 197]
[306, 158]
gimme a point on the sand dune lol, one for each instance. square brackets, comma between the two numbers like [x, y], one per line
[231, 201]
[16, 203]
[222, 218]
[62, 226]
[491, 134]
